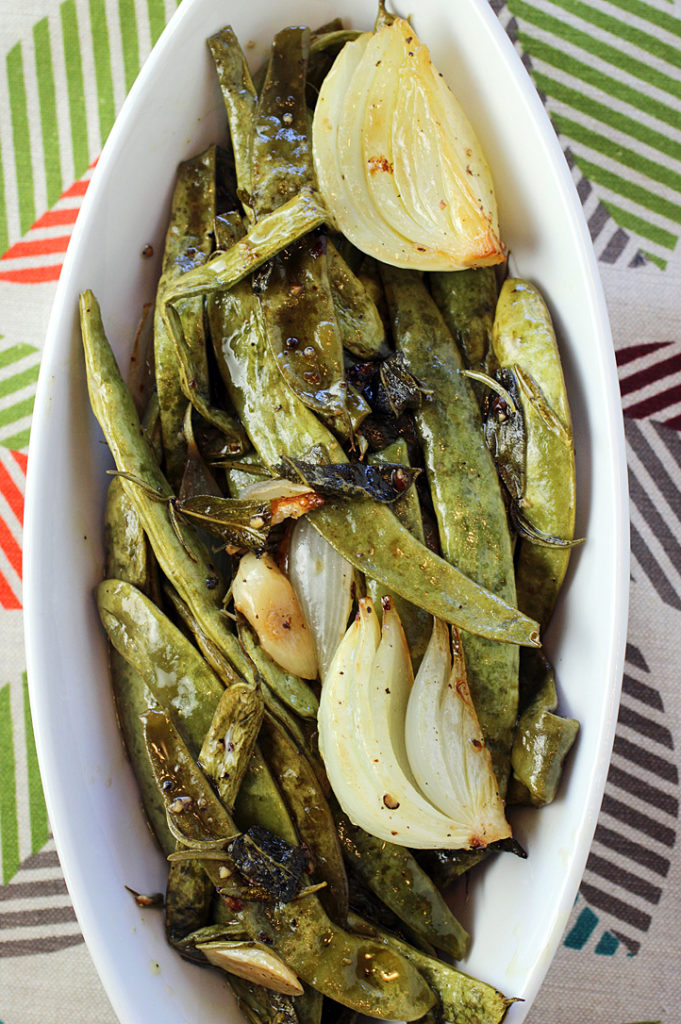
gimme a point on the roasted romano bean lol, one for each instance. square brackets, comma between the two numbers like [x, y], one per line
[463, 999]
[185, 561]
[240, 101]
[467, 498]
[417, 624]
[467, 300]
[189, 895]
[392, 873]
[367, 534]
[542, 739]
[293, 691]
[293, 288]
[524, 341]
[228, 745]
[358, 972]
[127, 557]
[188, 244]
[311, 814]
[359, 321]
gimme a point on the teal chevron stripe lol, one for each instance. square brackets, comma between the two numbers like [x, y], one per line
[103, 74]
[585, 104]
[581, 931]
[9, 822]
[629, 158]
[48, 110]
[22, 140]
[608, 944]
[40, 826]
[131, 50]
[75, 86]
[593, 15]
[589, 75]
[619, 58]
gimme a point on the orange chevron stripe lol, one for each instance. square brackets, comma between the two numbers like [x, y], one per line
[37, 247]
[10, 547]
[32, 275]
[21, 459]
[11, 494]
[57, 218]
[8, 599]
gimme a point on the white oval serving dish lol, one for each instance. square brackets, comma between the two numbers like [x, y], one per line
[516, 909]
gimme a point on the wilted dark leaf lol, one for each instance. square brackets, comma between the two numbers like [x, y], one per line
[269, 863]
[384, 482]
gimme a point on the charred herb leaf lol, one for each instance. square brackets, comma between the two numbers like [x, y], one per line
[240, 523]
[506, 437]
[384, 482]
[269, 863]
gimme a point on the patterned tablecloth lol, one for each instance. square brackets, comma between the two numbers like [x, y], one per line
[609, 72]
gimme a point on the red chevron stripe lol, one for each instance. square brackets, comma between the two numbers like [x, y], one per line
[58, 218]
[650, 374]
[10, 547]
[8, 599]
[32, 275]
[11, 494]
[656, 403]
[37, 247]
[79, 188]
[627, 355]
[21, 459]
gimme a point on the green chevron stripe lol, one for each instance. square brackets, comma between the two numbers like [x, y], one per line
[646, 12]
[607, 115]
[654, 258]
[156, 12]
[9, 822]
[75, 87]
[619, 58]
[40, 826]
[9, 385]
[17, 442]
[628, 158]
[131, 51]
[593, 15]
[103, 74]
[638, 225]
[21, 136]
[16, 412]
[4, 226]
[630, 190]
[15, 352]
[48, 110]
[589, 75]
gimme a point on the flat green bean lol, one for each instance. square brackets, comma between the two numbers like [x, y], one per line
[466, 494]
[366, 533]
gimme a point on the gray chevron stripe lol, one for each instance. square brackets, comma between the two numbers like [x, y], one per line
[36, 914]
[654, 459]
[630, 856]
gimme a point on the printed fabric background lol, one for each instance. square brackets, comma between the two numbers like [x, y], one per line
[609, 73]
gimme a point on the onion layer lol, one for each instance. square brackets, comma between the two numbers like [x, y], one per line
[397, 161]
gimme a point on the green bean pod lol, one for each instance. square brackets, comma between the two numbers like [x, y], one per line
[362, 330]
[185, 561]
[240, 101]
[356, 971]
[524, 341]
[294, 289]
[127, 556]
[188, 244]
[463, 999]
[416, 623]
[189, 895]
[228, 745]
[542, 739]
[393, 874]
[467, 300]
[467, 498]
[366, 533]
[311, 814]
